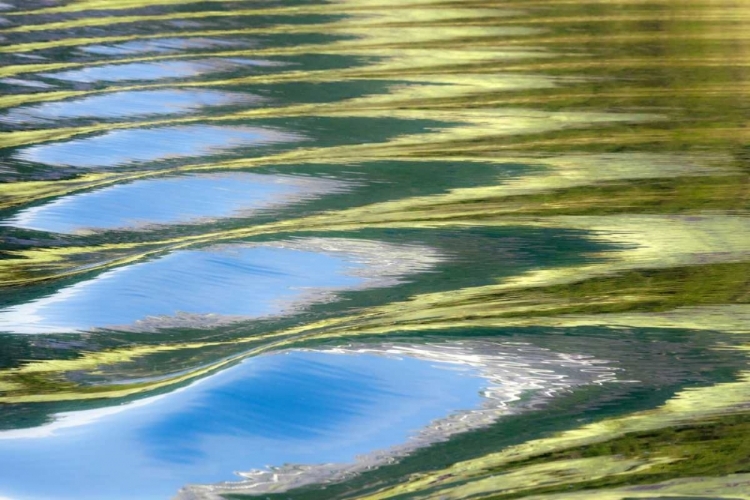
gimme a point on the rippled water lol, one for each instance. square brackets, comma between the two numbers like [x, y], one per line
[356, 249]
[212, 196]
[126, 104]
[301, 407]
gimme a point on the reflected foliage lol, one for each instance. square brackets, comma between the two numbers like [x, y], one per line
[572, 176]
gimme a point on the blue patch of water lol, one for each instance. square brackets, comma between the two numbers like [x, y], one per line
[170, 200]
[25, 83]
[122, 147]
[231, 281]
[296, 407]
[159, 45]
[128, 104]
[155, 70]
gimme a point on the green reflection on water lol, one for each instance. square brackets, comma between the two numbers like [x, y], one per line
[584, 165]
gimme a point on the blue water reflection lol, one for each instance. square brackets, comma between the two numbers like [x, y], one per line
[25, 83]
[224, 283]
[128, 104]
[155, 70]
[297, 407]
[160, 45]
[121, 147]
[169, 200]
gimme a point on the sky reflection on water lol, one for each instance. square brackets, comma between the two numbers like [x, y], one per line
[160, 45]
[569, 178]
[122, 147]
[155, 70]
[297, 407]
[128, 104]
[170, 200]
[237, 281]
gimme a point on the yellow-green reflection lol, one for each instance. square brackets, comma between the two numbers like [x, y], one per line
[635, 113]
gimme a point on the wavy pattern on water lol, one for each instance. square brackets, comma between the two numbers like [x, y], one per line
[570, 175]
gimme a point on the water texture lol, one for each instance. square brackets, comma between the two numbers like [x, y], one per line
[146, 145]
[374, 250]
[159, 45]
[152, 70]
[160, 201]
[298, 407]
[126, 104]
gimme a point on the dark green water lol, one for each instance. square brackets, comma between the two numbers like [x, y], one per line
[355, 249]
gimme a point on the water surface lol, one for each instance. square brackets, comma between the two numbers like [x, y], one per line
[122, 147]
[226, 283]
[155, 70]
[185, 199]
[521, 227]
[161, 45]
[128, 104]
[300, 407]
